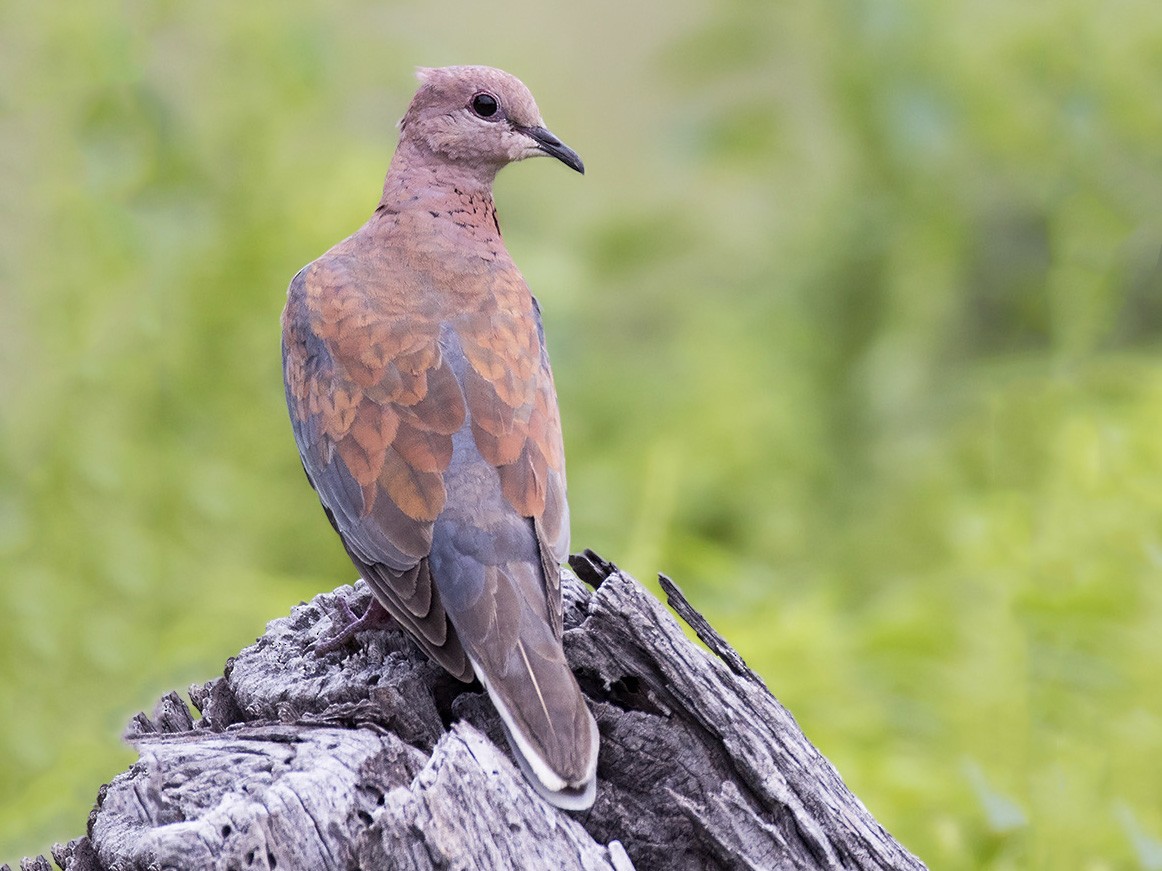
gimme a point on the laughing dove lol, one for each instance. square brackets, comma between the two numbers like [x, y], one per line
[423, 406]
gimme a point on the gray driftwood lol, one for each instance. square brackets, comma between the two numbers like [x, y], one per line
[370, 758]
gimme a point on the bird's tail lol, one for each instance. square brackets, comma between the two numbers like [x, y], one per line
[519, 658]
[548, 724]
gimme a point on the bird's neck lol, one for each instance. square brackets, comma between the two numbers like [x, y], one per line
[419, 178]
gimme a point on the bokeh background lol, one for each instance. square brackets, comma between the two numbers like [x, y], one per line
[856, 323]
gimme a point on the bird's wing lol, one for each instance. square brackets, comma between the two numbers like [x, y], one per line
[516, 425]
[374, 405]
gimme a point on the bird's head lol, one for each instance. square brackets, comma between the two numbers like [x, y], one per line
[480, 118]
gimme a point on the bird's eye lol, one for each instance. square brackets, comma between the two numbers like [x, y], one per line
[485, 105]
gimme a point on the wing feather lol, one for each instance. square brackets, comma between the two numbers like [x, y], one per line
[373, 405]
[512, 403]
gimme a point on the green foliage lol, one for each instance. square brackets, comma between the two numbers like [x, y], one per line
[855, 321]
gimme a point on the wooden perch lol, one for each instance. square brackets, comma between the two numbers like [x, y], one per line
[370, 757]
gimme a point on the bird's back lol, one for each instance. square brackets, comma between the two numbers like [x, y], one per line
[425, 411]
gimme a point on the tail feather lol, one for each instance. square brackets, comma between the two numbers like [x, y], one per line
[517, 654]
[549, 728]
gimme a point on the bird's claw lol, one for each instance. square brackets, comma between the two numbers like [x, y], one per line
[349, 625]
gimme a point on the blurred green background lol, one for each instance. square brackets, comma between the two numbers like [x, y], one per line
[856, 323]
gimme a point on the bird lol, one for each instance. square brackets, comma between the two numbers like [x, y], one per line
[424, 410]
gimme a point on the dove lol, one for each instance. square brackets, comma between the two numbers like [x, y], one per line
[423, 407]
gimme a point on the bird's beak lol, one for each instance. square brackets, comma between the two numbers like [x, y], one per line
[554, 147]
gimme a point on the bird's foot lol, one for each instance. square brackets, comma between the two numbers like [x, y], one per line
[348, 625]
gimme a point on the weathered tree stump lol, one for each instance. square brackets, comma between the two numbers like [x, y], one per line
[370, 757]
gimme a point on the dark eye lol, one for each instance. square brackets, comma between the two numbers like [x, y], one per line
[485, 105]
